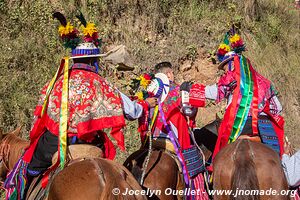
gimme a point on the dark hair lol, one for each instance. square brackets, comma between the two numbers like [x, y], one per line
[160, 67]
[85, 60]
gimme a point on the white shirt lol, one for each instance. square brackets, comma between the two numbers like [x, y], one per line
[291, 167]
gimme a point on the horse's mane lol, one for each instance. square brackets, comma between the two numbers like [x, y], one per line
[11, 138]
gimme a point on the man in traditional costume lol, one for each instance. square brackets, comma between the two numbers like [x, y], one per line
[169, 120]
[291, 166]
[253, 109]
[74, 108]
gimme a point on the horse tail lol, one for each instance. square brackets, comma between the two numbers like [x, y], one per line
[244, 177]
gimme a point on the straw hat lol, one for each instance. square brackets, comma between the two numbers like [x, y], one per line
[159, 86]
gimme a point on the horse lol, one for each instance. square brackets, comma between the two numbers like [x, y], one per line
[162, 172]
[11, 148]
[245, 166]
[92, 178]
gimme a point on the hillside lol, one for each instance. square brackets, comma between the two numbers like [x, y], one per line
[185, 32]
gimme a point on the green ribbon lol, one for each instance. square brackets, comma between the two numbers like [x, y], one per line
[247, 95]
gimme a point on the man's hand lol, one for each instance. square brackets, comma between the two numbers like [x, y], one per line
[186, 86]
[288, 149]
[152, 102]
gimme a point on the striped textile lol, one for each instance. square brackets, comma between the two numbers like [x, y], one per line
[193, 160]
[199, 185]
[297, 196]
[268, 134]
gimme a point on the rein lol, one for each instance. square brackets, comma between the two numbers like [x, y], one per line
[145, 164]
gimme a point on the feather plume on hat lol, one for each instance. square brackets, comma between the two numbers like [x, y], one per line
[67, 32]
[89, 30]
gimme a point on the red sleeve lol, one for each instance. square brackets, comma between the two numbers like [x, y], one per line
[143, 120]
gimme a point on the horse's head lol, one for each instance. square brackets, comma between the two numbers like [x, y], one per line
[16, 133]
[8, 142]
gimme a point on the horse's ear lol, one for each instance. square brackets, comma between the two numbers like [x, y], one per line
[17, 132]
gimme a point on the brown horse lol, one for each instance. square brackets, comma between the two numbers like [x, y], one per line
[94, 178]
[11, 149]
[161, 173]
[83, 179]
[245, 166]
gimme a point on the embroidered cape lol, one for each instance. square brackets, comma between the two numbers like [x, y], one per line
[93, 105]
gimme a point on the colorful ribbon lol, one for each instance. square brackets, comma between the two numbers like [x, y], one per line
[230, 128]
[50, 86]
[246, 88]
[228, 122]
[254, 101]
[248, 93]
[154, 117]
[63, 122]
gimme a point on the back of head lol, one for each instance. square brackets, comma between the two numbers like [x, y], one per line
[162, 67]
[89, 61]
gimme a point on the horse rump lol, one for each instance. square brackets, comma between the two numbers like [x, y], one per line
[244, 176]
